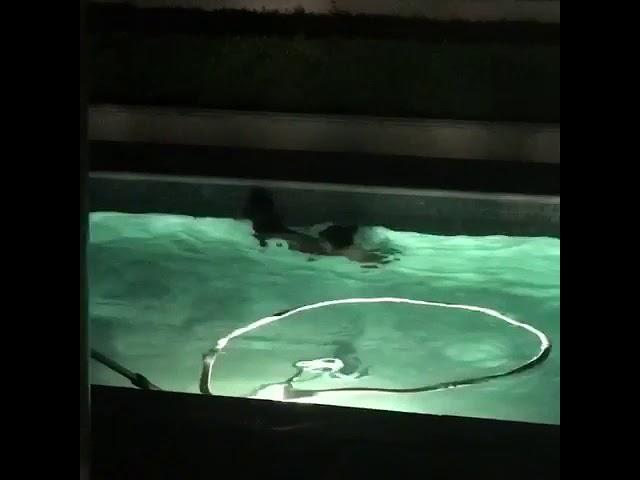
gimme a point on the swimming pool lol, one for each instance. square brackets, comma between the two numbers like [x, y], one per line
[165, 286]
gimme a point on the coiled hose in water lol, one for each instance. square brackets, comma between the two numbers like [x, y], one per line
[289, 392]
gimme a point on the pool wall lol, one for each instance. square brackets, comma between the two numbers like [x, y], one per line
[423, 211]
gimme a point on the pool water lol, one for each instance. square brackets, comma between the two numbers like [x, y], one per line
[165, 288]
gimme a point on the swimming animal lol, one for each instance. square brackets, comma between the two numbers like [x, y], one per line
[335, 240]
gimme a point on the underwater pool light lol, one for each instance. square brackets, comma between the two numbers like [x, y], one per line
[285, 390]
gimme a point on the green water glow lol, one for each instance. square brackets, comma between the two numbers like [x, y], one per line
[165, 288]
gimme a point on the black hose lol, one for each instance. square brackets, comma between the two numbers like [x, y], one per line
[137, 379]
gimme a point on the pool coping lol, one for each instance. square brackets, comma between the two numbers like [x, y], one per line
[193, 425]
[422, 138]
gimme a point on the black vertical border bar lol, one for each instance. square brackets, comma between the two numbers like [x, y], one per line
[85, 415]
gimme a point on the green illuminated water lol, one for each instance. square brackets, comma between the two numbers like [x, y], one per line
[165, 288]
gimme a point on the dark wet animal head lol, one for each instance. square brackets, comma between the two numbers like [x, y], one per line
[260, 209]
[339, 236]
